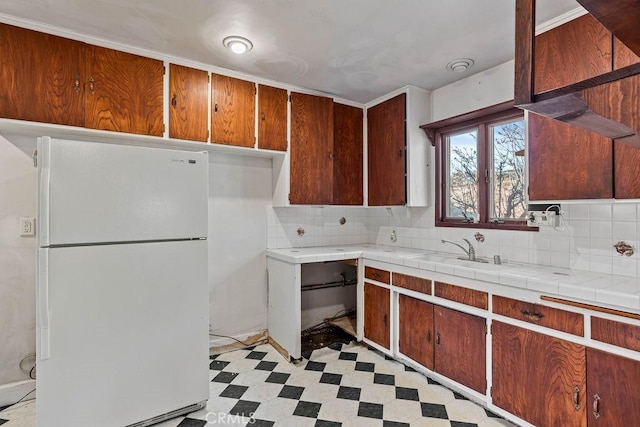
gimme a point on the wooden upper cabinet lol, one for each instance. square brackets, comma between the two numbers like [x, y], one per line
[612, 390]
[272, 118]
[572, 52]
[42, 77]
[537, 377]
[376, 314]
[622, 55]
[233, 111]
[347, 153]
[566, 162]
[460, 347]
[416, 329]
[123, 92]
[311, 178]
[386, 139]
[188, 103]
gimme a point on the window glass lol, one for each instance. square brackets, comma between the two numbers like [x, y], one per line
[462, 181]
[507, 177]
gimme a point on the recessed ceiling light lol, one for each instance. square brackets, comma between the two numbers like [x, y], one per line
[237, 44]
[460, 65]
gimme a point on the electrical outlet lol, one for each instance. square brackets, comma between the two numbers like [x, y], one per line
[540, 219]
[27, 226]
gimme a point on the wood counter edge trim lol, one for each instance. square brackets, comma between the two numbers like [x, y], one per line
[591, 307]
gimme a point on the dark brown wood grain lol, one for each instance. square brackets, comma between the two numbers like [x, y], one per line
[272, 118]
[460, 347]
[417, 284]
[616, 333]
[591, 307]
[386, 152]
[535, 375]
[233, 111]
[127, 94]
[622, 55]
[377, 274]
[621, 17]
[462, 295]
[566, 162]
[188, 103]
[377, 319]
[38, 75]
[542, 315]
[347, 153]
[416, 330]
[524, 48]
[311, 149]
[574, 51]
[614, 379]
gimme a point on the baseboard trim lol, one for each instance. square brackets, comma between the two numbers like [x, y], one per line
[224, 344]
[12, 392]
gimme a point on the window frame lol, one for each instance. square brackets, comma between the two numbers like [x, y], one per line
[481, 120]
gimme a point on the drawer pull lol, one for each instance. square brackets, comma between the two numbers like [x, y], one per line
[429, 335]
[437, 338]
[576, 397]
[533, 315]
[384, 319]
[375, 275]
[596, 406]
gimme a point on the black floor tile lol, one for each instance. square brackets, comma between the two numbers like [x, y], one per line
[349, 393]
[433, 410]
[211, 356]
[461, 424]
[336, 346]
[3, 421]
[387, 423]
[218, 365]
[261, 423]
[387, 357]
[315, 366]
[266, 366]
[434, 382]
[459, 396]
[190, 422]
[491, 414]
[328, 378]
[384, 379]
[405, 393]
[291, 392]
[307, 354]
[234, 391]
[409, 369]
[347, 355]
[224, 377]
[258, 355]
[250, 348]
[370, 410]
[323, 423]
[277, 378]
[245, 408]
[365, 366]
[307, 409]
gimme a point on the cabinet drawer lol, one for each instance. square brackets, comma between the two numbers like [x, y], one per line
[414, 283]
[462, 295]
[616, 333]
[565, 321]
[377, 275]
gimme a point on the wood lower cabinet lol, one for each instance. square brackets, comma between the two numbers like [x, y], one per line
[188, 103]
[233, 111]
[347, 155]
[622, 55]
[272, 118]
[612, 397]
[538, 378]
[417, 330]
[376, 314]
[42, 77]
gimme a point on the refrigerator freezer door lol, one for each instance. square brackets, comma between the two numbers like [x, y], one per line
[128, 327]
[96, 192]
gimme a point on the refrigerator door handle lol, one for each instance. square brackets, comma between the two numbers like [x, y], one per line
[43, 304]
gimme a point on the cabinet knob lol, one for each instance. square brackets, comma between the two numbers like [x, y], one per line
[384, 319]
[262, 116]
[596, 406]
[215, 107]
[76, 83]
[429, 335]
[400, 153]
[174, 100]
[437, 338]
[92, 85]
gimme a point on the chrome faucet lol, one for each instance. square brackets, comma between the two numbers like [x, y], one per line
[471, 252]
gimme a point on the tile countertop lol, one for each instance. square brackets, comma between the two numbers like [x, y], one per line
[589, 287]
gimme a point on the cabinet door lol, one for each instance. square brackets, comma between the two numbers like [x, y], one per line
[272, 118]
[460, 347]
[622, 55]
[41, 77]
[416, 330]
[612, 390]
[566, 162]
[123, 92]
[188, 102]
[233, 107]
[376, 314]
[347, 152]
[311, 144]
[386, 140]
[537, 377]
[572, 52]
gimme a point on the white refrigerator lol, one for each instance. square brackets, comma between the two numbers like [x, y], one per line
[122, 291]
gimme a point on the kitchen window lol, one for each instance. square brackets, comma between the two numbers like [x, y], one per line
[480, 169]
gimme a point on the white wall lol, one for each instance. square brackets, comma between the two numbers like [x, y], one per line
[18, 180]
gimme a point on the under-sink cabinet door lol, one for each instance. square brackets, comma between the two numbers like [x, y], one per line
[376, 314]
[416, 330]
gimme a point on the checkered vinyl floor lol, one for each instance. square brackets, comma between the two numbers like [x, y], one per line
[341, 385]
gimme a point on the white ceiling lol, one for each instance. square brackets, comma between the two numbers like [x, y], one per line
[354, 49]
